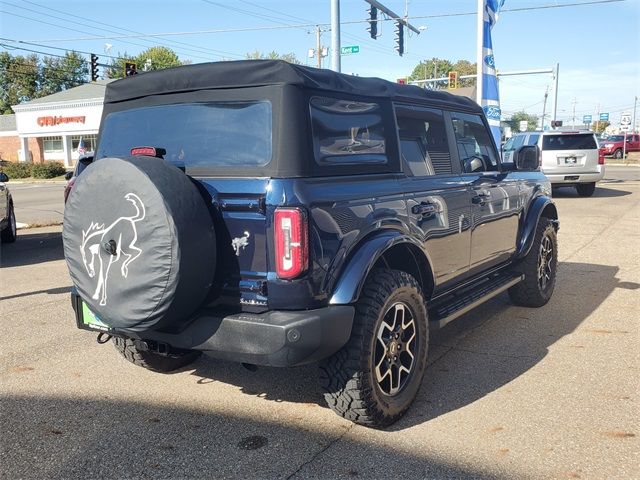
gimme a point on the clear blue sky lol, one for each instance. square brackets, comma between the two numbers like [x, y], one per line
[597, 46]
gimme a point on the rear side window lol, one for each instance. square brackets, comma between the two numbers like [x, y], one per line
[514, 143]
[347, 132]
[194, 135]
[533, 139]
[423, 141]
[569, 142]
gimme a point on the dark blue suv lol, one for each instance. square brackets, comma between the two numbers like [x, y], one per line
[274, 214]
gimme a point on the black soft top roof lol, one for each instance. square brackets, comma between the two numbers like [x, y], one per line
[256, 73]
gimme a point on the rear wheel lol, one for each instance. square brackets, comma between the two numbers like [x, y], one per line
[375, 377]
[154, 361]
[586, 189]
[539, 268]
[617, 154]
[10, 232]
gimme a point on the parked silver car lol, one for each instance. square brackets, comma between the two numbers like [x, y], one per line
[568, 158]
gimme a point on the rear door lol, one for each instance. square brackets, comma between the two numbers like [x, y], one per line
[569, 153]
[437, 201]
[493, 195]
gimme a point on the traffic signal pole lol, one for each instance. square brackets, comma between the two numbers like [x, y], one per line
[335, 36]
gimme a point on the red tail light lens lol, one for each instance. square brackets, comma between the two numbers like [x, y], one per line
[291, 242]
[600, 157]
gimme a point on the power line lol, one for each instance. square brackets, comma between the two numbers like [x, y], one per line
[174, 42]
[308, 25]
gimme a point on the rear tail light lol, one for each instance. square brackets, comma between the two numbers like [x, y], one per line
[291, 242]
[600, 157]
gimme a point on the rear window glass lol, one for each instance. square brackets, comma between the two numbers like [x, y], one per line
[347, 132]
[569, 142]
[194, 135]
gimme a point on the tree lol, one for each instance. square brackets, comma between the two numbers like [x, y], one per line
[19, 80]
[62, 73]
[153, 58]
[273, 55]
[600, 126]
[438, 68]
[516, 118]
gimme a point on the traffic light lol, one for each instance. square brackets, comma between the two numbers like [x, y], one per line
[399, 31]
[94, 67]
[373, 22]
[130, 69]
[556, 123]
[453, 80]
[401, 81]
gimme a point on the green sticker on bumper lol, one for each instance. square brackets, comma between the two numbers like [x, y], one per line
[90, 318]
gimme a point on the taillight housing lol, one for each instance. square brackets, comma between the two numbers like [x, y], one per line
[600, 157]
[291, 242]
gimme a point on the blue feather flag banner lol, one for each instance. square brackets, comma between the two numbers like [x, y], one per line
[490, 100]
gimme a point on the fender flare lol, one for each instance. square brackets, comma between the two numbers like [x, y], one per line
[542, 204]
[353, 275]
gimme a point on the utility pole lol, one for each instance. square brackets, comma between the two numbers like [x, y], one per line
[479, 51]
[573, 122]
[544, 108]
[598, 119]
[318, 46]
[635, 103]
[555, 92]
[335, 36]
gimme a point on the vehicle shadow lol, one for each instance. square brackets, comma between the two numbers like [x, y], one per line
[32, 248]
[470, 358]
[49, 291]
[601, 192]
[69, 437]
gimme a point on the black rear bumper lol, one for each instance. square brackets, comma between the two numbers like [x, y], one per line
[274, 338]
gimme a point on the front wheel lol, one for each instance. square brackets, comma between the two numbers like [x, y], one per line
[154, 361]
[539, 268]
[10, 232]
[586, 189]
[375, 377]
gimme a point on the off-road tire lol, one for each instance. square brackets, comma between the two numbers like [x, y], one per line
[586, 189]
[9, 234]
[617, 154]
[529, 292]
[348, 377]
[153, 361]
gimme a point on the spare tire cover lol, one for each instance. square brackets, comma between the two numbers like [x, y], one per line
[139, 243]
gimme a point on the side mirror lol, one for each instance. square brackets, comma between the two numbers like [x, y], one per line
[527, 158]
[68, 175]
[3, 177]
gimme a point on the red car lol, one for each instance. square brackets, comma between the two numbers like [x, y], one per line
[83, 162]
[614, 145]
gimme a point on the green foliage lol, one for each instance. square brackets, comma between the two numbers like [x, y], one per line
[19, 80]
[516, 118]
[153, 58]
[47, 170]
[63, 73]
[438, 67]
[24, 78]
[599, 126]
[273, 55]
[16, 169]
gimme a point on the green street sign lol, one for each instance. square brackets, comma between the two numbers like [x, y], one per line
[350, 49]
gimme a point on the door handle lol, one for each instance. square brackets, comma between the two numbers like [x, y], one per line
[424, 208]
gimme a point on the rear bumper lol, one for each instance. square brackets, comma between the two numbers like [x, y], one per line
[274, 338]
[576, 177]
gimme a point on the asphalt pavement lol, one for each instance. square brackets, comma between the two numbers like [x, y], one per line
[38, 203]
[510, 392]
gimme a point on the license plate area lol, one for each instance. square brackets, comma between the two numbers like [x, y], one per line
[87, 320]
[569, 161]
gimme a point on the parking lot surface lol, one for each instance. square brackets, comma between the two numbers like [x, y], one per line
[509, 393]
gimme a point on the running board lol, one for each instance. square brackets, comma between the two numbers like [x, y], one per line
[457, 304]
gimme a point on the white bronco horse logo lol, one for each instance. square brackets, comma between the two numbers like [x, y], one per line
[240, 243]
[110, 244]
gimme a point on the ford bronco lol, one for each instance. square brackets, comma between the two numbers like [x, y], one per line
[275, 214]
